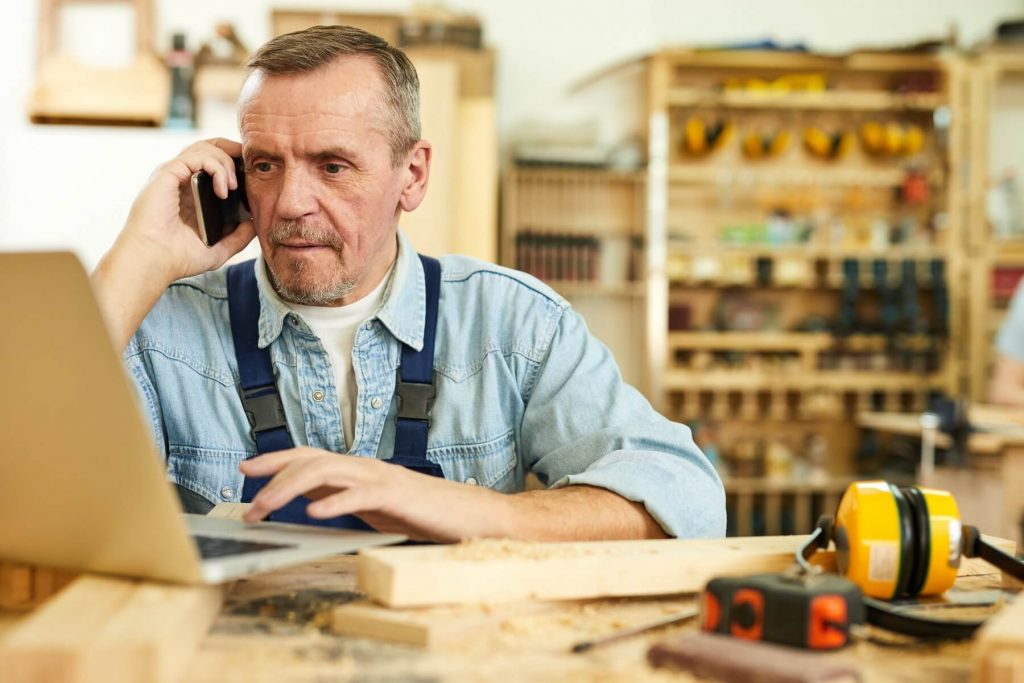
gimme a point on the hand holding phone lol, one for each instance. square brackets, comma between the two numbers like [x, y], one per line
[219, 217]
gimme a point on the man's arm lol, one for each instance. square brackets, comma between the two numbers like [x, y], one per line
[395, 499]
[1008, 382]
[159, 242]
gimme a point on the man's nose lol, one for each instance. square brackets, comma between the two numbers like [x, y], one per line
[296, 198]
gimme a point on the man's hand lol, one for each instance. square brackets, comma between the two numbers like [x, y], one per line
[394, 499]
[388, 497]
[160, 243]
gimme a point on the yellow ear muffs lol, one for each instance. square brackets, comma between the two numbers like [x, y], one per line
[759, 145]
[913, 141]
[872, 137]
[895, 542]
[701, 138]
[891, 139]
[827, 144]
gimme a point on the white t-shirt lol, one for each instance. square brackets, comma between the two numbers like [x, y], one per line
[336, 327]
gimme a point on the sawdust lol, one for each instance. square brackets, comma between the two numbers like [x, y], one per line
[489, 549]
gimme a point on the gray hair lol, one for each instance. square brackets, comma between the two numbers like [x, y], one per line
[312, 48]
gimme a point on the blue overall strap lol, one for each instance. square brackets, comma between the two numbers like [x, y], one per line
[414, 385]
[260, 398]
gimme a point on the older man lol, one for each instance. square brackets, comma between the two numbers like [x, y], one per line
[341, 378]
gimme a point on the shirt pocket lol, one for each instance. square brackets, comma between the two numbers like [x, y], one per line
[491, 463]
[212, 473]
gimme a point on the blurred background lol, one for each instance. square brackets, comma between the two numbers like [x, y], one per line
[798, 226]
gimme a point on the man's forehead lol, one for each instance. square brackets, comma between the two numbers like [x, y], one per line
[346, 86]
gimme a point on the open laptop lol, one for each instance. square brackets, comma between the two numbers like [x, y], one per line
[81, 483]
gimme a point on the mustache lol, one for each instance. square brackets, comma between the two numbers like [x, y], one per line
[307, 232]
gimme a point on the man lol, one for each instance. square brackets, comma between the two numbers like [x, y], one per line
[341, 303]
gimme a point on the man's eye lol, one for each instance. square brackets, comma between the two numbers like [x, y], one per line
[262, 166]
[333, 168]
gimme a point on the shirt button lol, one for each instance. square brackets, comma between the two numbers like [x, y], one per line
[376, 402]
[471, 481]
[318, 395]
[369, 325]
[227, 493]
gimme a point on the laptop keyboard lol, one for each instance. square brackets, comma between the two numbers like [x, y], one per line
[212, 546]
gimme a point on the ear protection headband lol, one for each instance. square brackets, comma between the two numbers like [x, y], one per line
[826, 144]
[701, 137]
[891, 139]
[757, 144]
[897, 542]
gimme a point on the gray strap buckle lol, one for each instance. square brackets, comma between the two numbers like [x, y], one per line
[263, 409]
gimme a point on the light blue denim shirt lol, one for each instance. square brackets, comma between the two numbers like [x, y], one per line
[522, 386]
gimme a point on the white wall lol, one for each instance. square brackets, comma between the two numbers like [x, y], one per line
[71, 188]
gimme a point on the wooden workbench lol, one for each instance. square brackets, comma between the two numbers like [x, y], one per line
[276, 627]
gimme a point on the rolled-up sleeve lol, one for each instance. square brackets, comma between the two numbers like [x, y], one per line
[583, 425]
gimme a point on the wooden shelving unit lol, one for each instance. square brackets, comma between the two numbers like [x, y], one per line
[746, 333]
[774, 401]
[995, 115]
[582, 232]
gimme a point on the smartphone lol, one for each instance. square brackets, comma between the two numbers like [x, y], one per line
[218, 217]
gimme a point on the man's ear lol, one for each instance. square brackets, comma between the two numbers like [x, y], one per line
[417, 174]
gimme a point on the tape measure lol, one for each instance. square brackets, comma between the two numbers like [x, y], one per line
[812, 611]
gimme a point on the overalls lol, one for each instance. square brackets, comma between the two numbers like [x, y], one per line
[265, 411]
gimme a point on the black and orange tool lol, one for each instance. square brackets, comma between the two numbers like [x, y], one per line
[809, 612]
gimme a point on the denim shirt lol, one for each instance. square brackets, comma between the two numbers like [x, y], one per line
[522, 386]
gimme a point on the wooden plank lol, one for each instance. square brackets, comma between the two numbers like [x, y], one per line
[429, 626]
[106, 629]
[497, 571]
[998, 652]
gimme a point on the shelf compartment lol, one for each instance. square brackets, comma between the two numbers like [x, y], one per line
[849, 100]
[751, 341]
[838, 381]
[823, 176]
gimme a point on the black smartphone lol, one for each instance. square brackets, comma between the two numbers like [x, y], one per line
[218, 217]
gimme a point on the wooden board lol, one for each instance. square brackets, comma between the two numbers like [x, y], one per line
[498, 571]
[106, 629]
[486, 571]
[429, 626]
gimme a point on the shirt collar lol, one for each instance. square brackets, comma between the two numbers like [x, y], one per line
[404, 310]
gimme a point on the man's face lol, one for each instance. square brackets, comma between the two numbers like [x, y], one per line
[324, 194]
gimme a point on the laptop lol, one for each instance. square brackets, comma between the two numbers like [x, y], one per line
[81, 483]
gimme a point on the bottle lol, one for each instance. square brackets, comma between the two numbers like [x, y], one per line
[182, 110]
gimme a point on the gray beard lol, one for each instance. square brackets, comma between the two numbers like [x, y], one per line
[318, 295]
